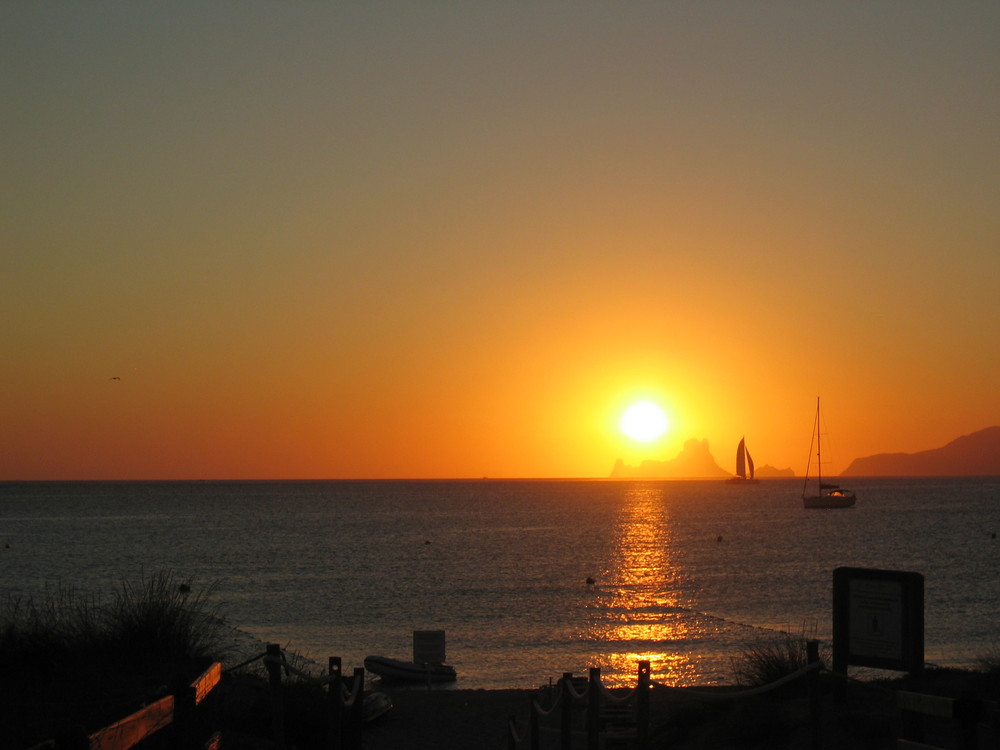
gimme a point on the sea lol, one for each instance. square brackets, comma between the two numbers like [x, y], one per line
[527, 579]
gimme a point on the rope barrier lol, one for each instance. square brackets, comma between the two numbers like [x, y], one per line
[347, 696]
[547, 712]
[568, 684]
[353, 695]
[760, 689]
[249, 661]
[290, 669]
[515, 738]
[617, 700]
[577, 696]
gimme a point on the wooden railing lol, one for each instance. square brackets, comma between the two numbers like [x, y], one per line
[345, 714]
[177, 709]
[624, 720]
[610, 718]
[968, 712]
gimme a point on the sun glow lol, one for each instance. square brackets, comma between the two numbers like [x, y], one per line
[643, 421]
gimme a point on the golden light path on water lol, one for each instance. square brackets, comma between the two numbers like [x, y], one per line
[643, 583]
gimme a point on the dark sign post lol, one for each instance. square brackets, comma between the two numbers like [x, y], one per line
[878, 619]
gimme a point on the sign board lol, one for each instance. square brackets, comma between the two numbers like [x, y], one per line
[878, 619]
[428, 647]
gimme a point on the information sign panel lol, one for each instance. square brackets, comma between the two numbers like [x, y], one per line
[878, 619]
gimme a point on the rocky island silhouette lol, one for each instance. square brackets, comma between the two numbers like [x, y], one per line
[977, 454]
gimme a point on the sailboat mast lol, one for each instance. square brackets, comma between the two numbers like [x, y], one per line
[819, 453]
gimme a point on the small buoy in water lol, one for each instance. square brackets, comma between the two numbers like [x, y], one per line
[427, 541]
[590, 581]
[992, 536]
[718, 538]
[184, 588]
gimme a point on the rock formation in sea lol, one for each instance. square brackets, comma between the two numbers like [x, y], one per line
[693, 462]
[977, 454]
[770, 472]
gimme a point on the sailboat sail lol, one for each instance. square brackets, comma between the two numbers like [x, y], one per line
[741, 452]
[743, 462]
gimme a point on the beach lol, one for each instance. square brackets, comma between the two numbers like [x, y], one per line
[685, 718]
[474, 719]
[680, 718]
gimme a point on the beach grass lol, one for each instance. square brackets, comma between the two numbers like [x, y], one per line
[74, 660]
[771, 657]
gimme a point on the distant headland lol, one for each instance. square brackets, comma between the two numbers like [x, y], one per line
[972, 455]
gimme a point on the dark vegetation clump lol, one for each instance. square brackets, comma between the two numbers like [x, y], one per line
[70, 660]
[769, 659]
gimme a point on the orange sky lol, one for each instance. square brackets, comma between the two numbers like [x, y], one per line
[433, 240]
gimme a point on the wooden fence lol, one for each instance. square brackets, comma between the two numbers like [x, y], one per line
[624, 720]
[965, 723]
[965, 715]
[345, 716]
[178, 709]
[345, 707]
[610, 719]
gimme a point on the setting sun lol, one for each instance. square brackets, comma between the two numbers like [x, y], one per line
[643, 421]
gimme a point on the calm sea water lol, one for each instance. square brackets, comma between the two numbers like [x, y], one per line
[685, 573]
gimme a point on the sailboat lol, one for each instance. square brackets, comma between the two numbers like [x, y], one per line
[827, 495]
[743, 462]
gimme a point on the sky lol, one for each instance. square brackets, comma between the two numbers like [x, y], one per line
[272, 240]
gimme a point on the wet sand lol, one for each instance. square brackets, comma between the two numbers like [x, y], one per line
[448, 719]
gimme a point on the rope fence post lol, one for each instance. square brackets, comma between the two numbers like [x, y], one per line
[815, 704]
[594, 709]
[184, 717]
[968, 711]
[335, 704]
[273, 663]
[566, 735]
[642, 706]
[357, 707]
[533, 731]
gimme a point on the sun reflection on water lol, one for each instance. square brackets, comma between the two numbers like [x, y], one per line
[642, 613]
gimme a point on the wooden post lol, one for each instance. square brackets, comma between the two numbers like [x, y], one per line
[71, 737]
[642, 706]
[594, 709]
[533, 734]
[335, 704]
[968, 711]
[184, 717]
[358, 707]
[566, 735]
[273, 663]
[815, 705]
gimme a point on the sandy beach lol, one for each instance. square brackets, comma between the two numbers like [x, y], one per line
[474, 719]
[681, 718]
